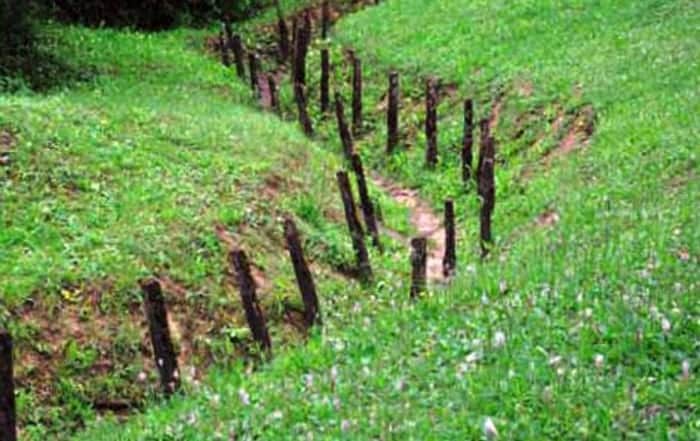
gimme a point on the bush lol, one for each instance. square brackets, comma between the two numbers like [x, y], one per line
[15, 34]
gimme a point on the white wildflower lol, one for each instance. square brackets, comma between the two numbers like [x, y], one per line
[399, 384]
[555, 360]
[309, 381]
[334, 374]
[598, 360]
[685, 369]
[499, 339]
[192, 419]
[345, 425]
[142, 377]
[665, 325]
[244, 397]
[490, 429]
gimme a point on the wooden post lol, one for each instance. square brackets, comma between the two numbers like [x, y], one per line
[468, 141]
[304, 119]
[223, 47]
[343, 130]
[283, 33]
[253, 312]
[365, 200]
[356, 95]
[431, 101]
[483, 139]
[8, 416]
[274, 98]
[487, 191]
[326, 19]
[449, 261]
[358, 242]
[253, 68]
[238, 55]
[302, 41]
[392, 114]
[419, 265]
[312, 312]
[325, 80]
[163, 350]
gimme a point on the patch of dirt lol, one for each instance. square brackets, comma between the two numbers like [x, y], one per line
[496, 109]
[548, 218]
[423, 219]
[578, 134]
[7, 144]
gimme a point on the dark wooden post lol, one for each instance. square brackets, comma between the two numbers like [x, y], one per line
[356, 95]
[228, 30]
[223, 47]
[163, 350]
[253, 312]
[365, 200]
[325, 80]
[304, 119]
[392, 114]
[238, 55]
[253, 64]
[283, 33]
[274, 97]
[312, 312]
[358, 242]
[302, 41]
[449, 262]
[326, 19]
[343, 130]
[468, 141]
[431, 101]
[419, 265]
[483, 140]
[8, 416]
[487, 191]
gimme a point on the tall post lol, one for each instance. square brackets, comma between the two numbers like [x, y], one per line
[326, 19]
[253, 64]
[253, 312]
[468, 141]
[358, 242]
[325, 80]
[431, 101]
[343, 129]
[449, 261]
[238, 55]
[163, 349]
[8, 416]
[392, 115]
[487, 191]
[356, 95]
[419, 265]
[304, 119]
[312, 312]
[283, 33]
[483, 140]
[365, 201]
[223, 47]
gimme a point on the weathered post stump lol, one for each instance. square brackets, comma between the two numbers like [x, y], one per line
[325, 80]
[274, 96]
[356, 234]
[8, 416]
[223, 48]
[253, 65]
[431, 102]
[312, 311]
[449, 261]
[238, 55]
[487, 192]
[483, 140]
[392, 114]
[343, 130]
[282, 33]
[468, 141]
[304, 119]
[365, 200]
[356, 95]
[419, 265]
[163, 349]
[251, 306]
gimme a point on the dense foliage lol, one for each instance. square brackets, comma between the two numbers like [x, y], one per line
[15, 34]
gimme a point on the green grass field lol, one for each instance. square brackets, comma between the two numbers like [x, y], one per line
[581, 328]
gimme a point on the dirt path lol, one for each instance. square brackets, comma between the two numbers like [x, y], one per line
[423, 219]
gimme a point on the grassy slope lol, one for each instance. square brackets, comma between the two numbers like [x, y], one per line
[126, 175]
[602, 281]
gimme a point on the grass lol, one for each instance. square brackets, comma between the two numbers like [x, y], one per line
[579, 330]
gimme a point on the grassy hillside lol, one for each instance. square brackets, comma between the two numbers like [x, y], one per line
[583, 325]
[153, 164]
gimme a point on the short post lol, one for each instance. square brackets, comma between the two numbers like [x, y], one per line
[223, 47]
[8, 416]
[343, 130]
[358, 242]
[253, 312]
[238, 55]
[312, 311]
[356, 95]
[325, 80]
[163, 349]
[449, 261]
[419, 265]
[468, 141]
[304, 119]
[253, 64]
[283, 33]
[365, 201]
[431, 101]
[274, 97]
[392, 114]
[487, 191]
